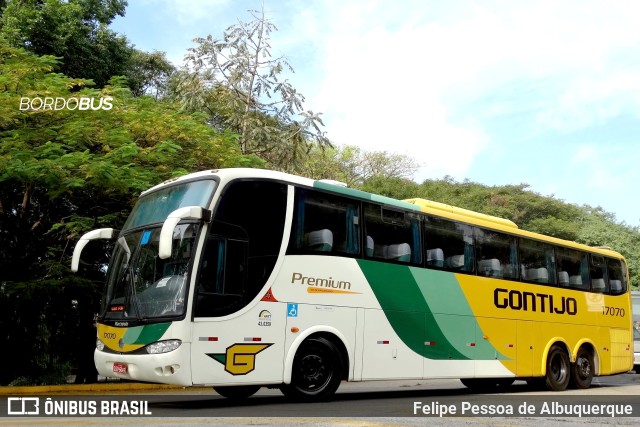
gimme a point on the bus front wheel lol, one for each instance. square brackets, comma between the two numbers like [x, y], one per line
[582, 370]
[237, 392]
[317, 371]
[558, 369]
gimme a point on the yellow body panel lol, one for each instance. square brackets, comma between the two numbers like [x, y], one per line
[545, 315]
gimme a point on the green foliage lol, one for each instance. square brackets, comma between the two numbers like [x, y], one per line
[64, 172]
[598, 228]
[401, 188]
[149, 73]
[22, 382]
[531, 211]
[352, 165]
[74, 30]
[94, 159]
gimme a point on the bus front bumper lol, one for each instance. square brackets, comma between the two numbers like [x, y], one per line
[165, 368]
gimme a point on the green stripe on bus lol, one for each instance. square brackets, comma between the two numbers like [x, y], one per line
[415, 301]
[407, 310]
[145, 334]
[442, 292]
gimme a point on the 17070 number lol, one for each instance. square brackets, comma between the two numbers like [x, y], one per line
[613, 311]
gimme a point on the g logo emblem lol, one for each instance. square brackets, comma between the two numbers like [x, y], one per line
[240, 359]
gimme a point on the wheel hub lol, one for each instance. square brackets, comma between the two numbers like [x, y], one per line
[313, 371]
[584, 367]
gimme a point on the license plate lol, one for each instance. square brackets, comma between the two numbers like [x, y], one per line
[120, 368]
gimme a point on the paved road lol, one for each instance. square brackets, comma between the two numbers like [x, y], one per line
[377, 404]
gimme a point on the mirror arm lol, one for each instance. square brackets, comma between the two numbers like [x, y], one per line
[101, 233]
[166, 234]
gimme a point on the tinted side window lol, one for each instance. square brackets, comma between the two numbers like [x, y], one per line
[597, 272]
[573, 265]
[222, 285]
[449, 245]
[617, 276]
[496, 254]
[392, 235]
[324, 224]
[537, 263]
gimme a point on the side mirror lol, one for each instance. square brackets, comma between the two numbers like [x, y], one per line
[102, 233]
[166, 234]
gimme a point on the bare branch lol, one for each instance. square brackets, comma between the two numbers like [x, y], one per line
[251, 90]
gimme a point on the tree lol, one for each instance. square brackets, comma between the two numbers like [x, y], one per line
[74, 30]
[149, 73]
[353, 166]
[66, 171]
[531, 211]
[599, 228]
[238, 83]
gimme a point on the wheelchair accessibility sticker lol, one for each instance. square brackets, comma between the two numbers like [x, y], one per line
[292, 310]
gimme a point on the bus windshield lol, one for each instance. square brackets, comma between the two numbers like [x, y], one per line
[140, 285]
[155, 207]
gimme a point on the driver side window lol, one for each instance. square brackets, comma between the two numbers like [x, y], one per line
[222, 275]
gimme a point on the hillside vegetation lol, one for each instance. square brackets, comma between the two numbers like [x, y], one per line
[531, 211]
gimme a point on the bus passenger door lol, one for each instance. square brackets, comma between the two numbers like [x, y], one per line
[230, 343]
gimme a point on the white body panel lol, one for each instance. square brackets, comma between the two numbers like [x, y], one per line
[264, 323]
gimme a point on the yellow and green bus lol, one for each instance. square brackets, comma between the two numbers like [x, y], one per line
[244, 278]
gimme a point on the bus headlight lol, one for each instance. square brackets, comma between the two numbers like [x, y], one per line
[163, 346]
[99, 345]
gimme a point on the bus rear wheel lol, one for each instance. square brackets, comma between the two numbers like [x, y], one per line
[237, 392]
[317, 371]
[582, 370]
[558, 369]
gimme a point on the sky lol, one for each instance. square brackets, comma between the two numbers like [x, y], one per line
[500, 92]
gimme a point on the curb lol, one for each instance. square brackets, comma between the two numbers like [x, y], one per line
[91, 388]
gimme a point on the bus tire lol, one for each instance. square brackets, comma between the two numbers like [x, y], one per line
[558, 369]
[237, 392]
[582, 370]
[317, 371]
